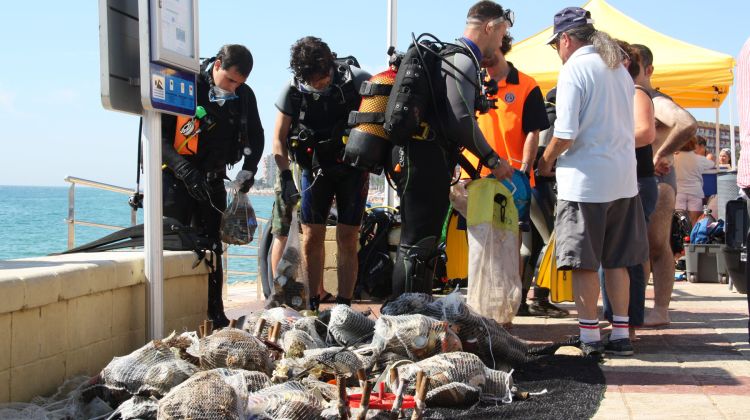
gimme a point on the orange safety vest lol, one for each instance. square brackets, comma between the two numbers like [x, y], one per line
[186, 135]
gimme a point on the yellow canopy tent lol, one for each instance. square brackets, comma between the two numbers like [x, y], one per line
[694, 77]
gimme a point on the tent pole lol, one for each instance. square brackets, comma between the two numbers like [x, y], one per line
[718, 135]
[731, 127]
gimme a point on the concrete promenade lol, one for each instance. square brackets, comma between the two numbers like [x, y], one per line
[698, 368]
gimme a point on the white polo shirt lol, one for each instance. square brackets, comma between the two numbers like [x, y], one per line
[595, 111]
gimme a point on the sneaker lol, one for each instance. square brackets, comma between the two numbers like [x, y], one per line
[621, 347]
[595, 349]
[546, 308]
[523, 310]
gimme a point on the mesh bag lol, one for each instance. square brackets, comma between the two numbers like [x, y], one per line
[295, 342]
[348, 327]
[290, 400]
[286, 316]
[310, 325]
[322, 390]
[213, 394]
[332, 360]
[452, 395]
[414, 336]
[67, 403]
[234, 348]
[138, 408]
[460, 367]
[479, 335]
[238, 222]
[153, 369]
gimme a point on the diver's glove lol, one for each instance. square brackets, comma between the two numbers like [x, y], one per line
[194, 180]
[244, 180]
[289, 193]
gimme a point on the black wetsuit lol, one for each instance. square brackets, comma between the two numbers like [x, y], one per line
[224, 144]
[425, 170]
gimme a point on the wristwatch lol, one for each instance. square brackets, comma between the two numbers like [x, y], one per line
[492, 162]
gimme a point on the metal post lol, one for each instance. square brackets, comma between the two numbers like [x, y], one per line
[731, 128]
[153, 228]
[389, 198]
[71, 215]
[718, 135]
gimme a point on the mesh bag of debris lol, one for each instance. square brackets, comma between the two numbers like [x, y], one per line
[286, 316]
[137, 408]
[348, 327]
[295, 342]
[460, 367]
[213, 394]
[234, 348]
[311, 325]
[331, 360]
[290, 284]
[153, 369]
[238, 222]
[68, 402]
[480, 335]
[290, 400]
[414, 336]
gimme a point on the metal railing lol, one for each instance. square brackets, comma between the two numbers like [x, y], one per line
[73, 222]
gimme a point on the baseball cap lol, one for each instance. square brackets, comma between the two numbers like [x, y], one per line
[569, 18]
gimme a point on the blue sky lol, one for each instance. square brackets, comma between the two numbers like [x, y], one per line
[54, 124]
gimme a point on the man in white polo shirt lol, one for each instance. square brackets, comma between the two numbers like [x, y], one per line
[599, 215]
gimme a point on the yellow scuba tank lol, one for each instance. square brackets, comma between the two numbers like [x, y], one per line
[368, 143]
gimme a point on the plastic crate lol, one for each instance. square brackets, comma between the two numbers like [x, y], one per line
[703, 264]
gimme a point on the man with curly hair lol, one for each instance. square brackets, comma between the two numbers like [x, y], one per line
[310, 129]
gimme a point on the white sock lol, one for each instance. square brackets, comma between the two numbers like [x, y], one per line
[589, 329]
[620, 325]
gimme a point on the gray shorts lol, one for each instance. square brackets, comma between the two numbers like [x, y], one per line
[611, 235]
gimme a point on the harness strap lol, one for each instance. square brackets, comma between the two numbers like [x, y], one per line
[356, 117]
[369, 88]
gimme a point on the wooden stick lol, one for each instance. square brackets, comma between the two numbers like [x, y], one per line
[208, 326]
[393, 374]
[259, 327]
[343, 404]
[275, 332]
[201, 331]
[419, 396]
[396, 409]
[365, 402]
[232, 323]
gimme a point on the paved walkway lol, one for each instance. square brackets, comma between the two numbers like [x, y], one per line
[698, 368]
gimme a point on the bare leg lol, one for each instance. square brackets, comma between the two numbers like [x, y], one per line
[347, 237]
[618, 290]
[586, 292]
[662, 259]
[694, 215]
[277, 249]
[313, 254]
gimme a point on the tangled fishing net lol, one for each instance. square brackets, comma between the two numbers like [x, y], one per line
[234, 348]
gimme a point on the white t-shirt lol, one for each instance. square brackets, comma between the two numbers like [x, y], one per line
[595, 111]
[689, 169]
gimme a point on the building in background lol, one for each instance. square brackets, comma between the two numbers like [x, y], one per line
[708, 130]
[270, 171]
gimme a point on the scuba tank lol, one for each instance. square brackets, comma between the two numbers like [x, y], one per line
[368, 145]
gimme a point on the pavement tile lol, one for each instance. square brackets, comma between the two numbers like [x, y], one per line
[732, 406]
[666, 405]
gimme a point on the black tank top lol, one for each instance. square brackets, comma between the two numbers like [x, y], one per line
[644, 155]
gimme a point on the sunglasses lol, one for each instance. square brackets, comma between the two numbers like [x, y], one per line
[555, 44]
[507, 16]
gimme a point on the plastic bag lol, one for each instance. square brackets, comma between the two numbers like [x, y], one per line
[494, 288]
[290, 283]
[238, 223]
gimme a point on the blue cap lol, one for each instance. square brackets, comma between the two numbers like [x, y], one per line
[569, 18]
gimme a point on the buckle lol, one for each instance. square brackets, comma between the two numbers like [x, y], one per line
[425, 134]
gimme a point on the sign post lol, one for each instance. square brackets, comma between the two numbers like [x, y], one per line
[149, 62]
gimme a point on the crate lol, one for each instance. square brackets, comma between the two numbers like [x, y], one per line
[704, 264]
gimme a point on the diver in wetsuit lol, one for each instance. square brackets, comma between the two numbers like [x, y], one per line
[196, 165]
[423, 169]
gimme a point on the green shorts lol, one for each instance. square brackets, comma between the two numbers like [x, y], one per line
[281, 215]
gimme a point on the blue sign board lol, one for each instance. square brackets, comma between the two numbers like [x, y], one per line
[173, 91]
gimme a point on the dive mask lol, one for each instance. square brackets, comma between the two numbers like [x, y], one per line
[219, 95]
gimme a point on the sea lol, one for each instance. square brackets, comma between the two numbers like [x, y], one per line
[33, 222]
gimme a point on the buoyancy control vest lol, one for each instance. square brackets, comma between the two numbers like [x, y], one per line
[319, 121]
[407, 101]
[216, 135]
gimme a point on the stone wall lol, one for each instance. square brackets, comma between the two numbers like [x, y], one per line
[67, 315]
